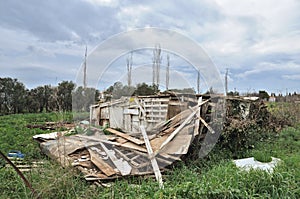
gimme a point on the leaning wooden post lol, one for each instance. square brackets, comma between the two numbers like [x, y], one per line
[27, 183]
[152, 158]
[205, 123]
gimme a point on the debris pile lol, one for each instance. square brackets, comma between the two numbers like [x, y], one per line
[109, 153]
[145, 134]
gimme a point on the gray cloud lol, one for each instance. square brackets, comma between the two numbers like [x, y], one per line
[249, 38]
[60, 20]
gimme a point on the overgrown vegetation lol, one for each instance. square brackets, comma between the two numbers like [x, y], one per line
[215, 176]
[286, 114]
[246, 123]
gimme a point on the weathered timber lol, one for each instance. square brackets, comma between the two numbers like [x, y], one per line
[101, 164]
[152, 159]
[126, 136]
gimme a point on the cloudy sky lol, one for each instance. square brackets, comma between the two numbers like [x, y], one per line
[43, 42]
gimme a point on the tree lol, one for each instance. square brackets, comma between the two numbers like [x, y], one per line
[118, 90]
[32, 102]
[12, 96]
[18, 97]
[263, 95]
[233, 93]
[39, 99]
[48, 92]
[145, 89]
[83, 98]
[64, 95]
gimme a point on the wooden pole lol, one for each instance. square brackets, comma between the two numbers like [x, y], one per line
[152, 158]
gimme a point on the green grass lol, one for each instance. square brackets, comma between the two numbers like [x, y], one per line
[262, 156]
[15, 135]
[215, 176]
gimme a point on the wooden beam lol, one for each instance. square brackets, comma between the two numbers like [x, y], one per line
[133, 146]
[101, 164]
[174, 133]
[128, 145]
[123, 135]
[197, 123]
[156, 142]
[27, 183]
[205, 123]
[152, 158]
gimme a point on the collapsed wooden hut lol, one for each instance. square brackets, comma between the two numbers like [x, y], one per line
[136, 135]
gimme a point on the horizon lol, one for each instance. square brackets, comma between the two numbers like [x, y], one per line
[163, 90]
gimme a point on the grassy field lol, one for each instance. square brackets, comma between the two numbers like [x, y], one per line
[212, 177]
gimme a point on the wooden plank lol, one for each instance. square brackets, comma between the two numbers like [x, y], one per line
[121, 165]
[121, 140]
[156, 143]
[145, 164]
[164, 111]
[153, 121]
[152, 158]
[130, 145]
[179, 145]
[101, 164]
[156, 100]
[205, 124]
[157, 116]
[131, 111]
[168, 156]
[197, 124]
[163, 106]
[96, 175]
[170, 130]
[123, 135]
[86, 164]
[174, 133]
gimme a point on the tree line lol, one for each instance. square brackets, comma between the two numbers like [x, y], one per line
[118, 90]
[16, 98]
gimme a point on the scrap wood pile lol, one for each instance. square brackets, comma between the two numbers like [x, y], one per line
[109, 154]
